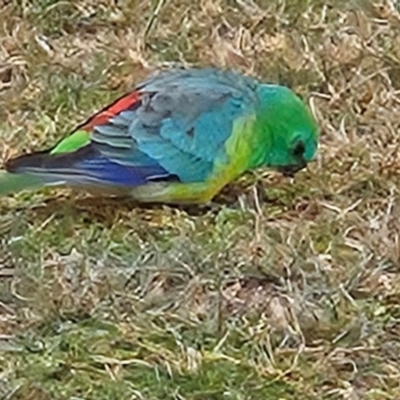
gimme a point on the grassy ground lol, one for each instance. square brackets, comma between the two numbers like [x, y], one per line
[286, 290]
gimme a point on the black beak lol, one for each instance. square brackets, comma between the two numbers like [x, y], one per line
[291, 170]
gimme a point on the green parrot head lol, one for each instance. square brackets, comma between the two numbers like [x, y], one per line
[289, 129]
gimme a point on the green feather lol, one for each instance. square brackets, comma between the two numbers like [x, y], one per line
[15, 182]
[72, 143]
[12, 183]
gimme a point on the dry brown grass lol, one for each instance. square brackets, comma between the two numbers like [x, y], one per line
[285, 290]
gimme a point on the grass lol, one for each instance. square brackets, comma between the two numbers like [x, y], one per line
[283, 290]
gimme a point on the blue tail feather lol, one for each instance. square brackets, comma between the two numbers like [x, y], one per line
[88, 165]
[108, 171]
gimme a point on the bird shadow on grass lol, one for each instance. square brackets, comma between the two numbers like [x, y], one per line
[105, 210]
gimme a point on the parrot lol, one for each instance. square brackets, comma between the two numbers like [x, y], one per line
[179, 136]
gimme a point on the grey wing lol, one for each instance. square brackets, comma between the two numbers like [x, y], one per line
[182, 122]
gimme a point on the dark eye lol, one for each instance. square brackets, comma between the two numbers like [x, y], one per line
[299, 149]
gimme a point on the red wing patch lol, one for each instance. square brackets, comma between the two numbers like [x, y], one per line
[102, 117]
